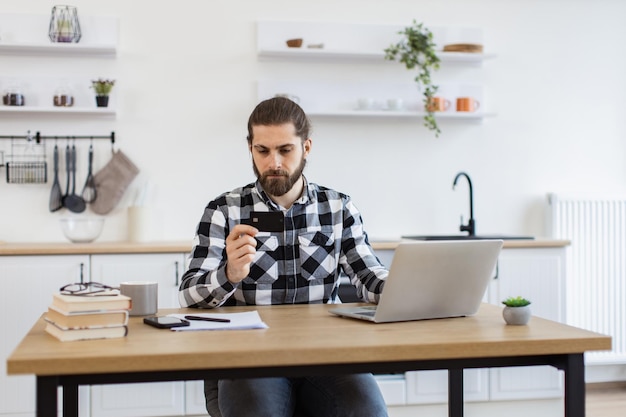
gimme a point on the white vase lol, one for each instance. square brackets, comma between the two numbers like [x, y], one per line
[516, 315]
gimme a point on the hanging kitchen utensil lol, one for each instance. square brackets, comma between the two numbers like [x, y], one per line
[56, 196]
[68, 169]
[74, 202]
[89, 190]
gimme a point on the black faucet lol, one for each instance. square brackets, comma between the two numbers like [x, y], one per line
[470, 226]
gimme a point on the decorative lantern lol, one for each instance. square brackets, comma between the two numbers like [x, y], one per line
[64, 26]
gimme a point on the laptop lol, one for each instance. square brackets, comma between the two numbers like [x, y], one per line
[433, 279]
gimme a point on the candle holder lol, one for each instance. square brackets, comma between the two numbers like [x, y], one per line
[64, 25]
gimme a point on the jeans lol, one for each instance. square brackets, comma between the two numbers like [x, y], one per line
[355, 395]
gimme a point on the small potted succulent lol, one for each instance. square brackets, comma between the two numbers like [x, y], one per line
[516, 310]
[103, 88]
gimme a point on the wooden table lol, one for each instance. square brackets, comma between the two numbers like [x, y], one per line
[305, 340]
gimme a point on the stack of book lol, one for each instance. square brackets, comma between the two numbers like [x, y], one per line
[72, 317]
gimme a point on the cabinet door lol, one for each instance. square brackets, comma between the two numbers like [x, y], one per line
[146, 399]
[163, 268]
[195, 404]
[27, 286]
[431, 387]
[536, 274]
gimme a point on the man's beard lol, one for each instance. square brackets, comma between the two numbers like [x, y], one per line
[279, 186]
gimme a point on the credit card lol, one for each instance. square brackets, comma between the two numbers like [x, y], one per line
[266, 221]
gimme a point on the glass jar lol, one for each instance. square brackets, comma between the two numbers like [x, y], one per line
[13, 97]
[63, 96]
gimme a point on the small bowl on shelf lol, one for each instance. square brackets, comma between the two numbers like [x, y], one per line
[82, 229]
[294, 43]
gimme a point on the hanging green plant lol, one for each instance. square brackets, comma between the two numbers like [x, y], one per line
[417, 50]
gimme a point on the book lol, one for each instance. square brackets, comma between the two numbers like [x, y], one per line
[70, 335]
[86, 319]
[73, 303]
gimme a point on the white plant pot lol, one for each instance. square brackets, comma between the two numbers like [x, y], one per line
[516, 315]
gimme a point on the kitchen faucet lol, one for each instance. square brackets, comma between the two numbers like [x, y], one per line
[470, 226]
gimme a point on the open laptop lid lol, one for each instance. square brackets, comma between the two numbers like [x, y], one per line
[436, 279]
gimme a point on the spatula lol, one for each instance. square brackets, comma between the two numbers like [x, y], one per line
[56, 196]
[74, 202]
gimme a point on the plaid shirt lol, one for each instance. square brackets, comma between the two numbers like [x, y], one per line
[323, 236]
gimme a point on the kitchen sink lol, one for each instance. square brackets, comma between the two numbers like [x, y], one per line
[467, 237]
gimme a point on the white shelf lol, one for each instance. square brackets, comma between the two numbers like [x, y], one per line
[401, 114]
[97, 111]
[27, 34]
[343, 42]
[313, 53]
[57, 49]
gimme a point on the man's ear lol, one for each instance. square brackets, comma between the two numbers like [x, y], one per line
[306, 146]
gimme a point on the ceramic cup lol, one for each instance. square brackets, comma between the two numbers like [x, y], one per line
[395, 104]
[365, 103]
[467, 104]
[438, 104]
[144, 296]
[139, 220]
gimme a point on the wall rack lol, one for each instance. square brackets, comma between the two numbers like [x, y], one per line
[38, 137]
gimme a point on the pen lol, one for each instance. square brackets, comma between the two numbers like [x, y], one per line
[207, 319]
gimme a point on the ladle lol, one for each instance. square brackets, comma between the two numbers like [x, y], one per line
[74, 202]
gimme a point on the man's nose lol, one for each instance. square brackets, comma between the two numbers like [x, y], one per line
[277, 160]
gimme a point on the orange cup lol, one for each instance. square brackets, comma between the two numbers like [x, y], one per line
[467, 104]
[438, 104]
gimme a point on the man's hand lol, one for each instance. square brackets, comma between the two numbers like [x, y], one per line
[240, 251]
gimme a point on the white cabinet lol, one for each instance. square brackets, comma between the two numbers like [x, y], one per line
[163, 268]
[146, 399]
[195, 403]
[27, 286]
[537, 274]
[28, 283]
[324, 80]
[431, 387]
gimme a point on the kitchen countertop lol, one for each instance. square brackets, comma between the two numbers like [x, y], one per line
[66, 248]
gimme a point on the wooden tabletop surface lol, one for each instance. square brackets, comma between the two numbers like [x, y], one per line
[298, 335]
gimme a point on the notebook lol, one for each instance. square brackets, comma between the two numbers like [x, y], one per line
[432, 279]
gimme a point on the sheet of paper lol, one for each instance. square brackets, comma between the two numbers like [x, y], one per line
[238, 321]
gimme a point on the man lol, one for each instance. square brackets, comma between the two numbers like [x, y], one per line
[234, 264]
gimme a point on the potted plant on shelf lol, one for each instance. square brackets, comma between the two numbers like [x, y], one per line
[516, 310]
[417, 50]
[103, 88]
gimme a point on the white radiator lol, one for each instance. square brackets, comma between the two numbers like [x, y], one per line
[596, 266]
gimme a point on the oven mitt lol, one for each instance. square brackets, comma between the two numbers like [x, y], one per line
[112, 181]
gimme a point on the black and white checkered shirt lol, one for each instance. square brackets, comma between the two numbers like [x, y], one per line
[323, 236]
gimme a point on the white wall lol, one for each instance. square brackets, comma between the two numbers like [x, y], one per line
[187, 76]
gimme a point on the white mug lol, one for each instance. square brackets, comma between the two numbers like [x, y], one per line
[144, 297]
[366, 103]
[395, 104]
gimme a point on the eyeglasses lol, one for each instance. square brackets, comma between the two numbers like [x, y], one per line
[87, 289]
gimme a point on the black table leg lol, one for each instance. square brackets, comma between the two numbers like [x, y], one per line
[455, 392]
[47, 396]
[70, 400]
[574, 369]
